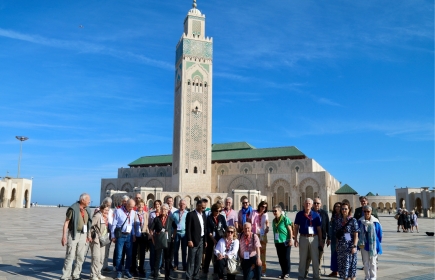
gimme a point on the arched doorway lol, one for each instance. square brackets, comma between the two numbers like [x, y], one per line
[402, 203]
[2, 197]
[388, 206]
[26, 199]
[394, 206]
[177, 201]
[381, 207]
[374, 206]
[432, 204]
[309, 192]
[418, 205]
[13, 199]
[280, 198]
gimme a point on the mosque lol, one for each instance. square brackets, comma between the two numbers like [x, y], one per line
[197, 168]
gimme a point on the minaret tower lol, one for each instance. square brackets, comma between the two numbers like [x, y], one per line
[191, 163]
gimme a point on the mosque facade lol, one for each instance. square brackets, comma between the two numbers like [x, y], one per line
[199, 169]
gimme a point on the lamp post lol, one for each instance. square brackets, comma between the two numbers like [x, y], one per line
[21, 139]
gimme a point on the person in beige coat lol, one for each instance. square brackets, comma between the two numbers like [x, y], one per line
[99, 228]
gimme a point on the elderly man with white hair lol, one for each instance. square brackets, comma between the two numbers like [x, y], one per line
[369, 241]
[230, 215]
[76, 235]
[309, 226]
[122, 233]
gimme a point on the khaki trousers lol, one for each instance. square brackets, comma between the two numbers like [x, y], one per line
[75, 251]
[98, 254]
[308, 246]
[309, 261]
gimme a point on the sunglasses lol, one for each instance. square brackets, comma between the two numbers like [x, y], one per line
[245, 202]
[316, 203]
[230, 231]
[367, 211]
[344, 209]
[274, 211]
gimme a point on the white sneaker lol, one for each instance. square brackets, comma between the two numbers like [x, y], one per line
[101, 277]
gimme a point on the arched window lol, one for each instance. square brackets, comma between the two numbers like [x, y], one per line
[222, 172]
[246, 170]
[195, 169]
[270, 170]
[187, 170]
[188, 82]
[161, 174]
[203, 172]
[297, 168]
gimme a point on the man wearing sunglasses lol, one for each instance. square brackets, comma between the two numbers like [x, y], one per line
[245, 214]
[317, 203]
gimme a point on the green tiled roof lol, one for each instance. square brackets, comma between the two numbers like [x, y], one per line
[346, 189]
[370, 194]
[231, 146]
[153, 160]
[230, 152]
[280, 152]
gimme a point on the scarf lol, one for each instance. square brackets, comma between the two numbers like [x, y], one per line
[246, 212]
[368, 232]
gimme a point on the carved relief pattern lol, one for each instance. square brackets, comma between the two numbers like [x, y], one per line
[194, 48]
[196, 27]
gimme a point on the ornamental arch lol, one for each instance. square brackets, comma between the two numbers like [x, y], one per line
[241, 183]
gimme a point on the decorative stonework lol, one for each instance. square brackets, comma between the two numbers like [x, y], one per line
[304, 184]
[154, 183]
[280, 182]
[127, 187]
[298, 166]
[246, 169]
[268, 166]
[195, 49]
[241, 183]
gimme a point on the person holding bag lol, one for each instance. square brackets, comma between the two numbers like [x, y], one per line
[226, 252]
[283, 237]
[100, 238]
[164, 228]
[216, 226]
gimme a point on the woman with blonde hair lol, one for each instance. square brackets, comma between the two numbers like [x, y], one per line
[226, 249]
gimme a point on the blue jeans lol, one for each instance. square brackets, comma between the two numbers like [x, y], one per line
[183, 242]
[124, 242]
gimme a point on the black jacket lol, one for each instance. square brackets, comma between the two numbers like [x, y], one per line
[213, 227]
[325, 223]
[193, 228]
[170, 226]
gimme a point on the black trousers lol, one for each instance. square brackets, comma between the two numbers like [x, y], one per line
[248, 272]
[283, 253]
[168, 254]
[139, 245]
[220, 266]
[208, 255]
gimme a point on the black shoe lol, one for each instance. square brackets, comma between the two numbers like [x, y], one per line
[142, 274]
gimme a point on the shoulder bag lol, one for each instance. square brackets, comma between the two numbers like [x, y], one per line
[118, 230]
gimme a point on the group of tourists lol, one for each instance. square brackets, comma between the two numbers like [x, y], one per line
[233, 241]
[406, 220]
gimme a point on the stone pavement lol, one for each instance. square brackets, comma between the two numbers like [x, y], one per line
[30, 248]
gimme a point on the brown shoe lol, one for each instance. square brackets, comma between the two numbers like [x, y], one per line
[333, 274]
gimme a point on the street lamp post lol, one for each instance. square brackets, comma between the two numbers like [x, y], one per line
[21, 139]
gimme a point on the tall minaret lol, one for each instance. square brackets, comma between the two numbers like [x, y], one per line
[191, 163]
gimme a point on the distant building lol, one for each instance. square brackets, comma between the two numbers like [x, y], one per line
[383, 204]
[15, 192]
[421, 200]
[199, 169]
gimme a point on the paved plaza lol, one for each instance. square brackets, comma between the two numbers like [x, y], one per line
[30, 249]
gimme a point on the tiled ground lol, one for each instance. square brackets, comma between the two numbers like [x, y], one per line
[30, 248]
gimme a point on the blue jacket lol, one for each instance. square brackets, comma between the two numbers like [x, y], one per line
[378, 230]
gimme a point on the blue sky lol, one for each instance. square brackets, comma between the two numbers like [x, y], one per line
[350, 83]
